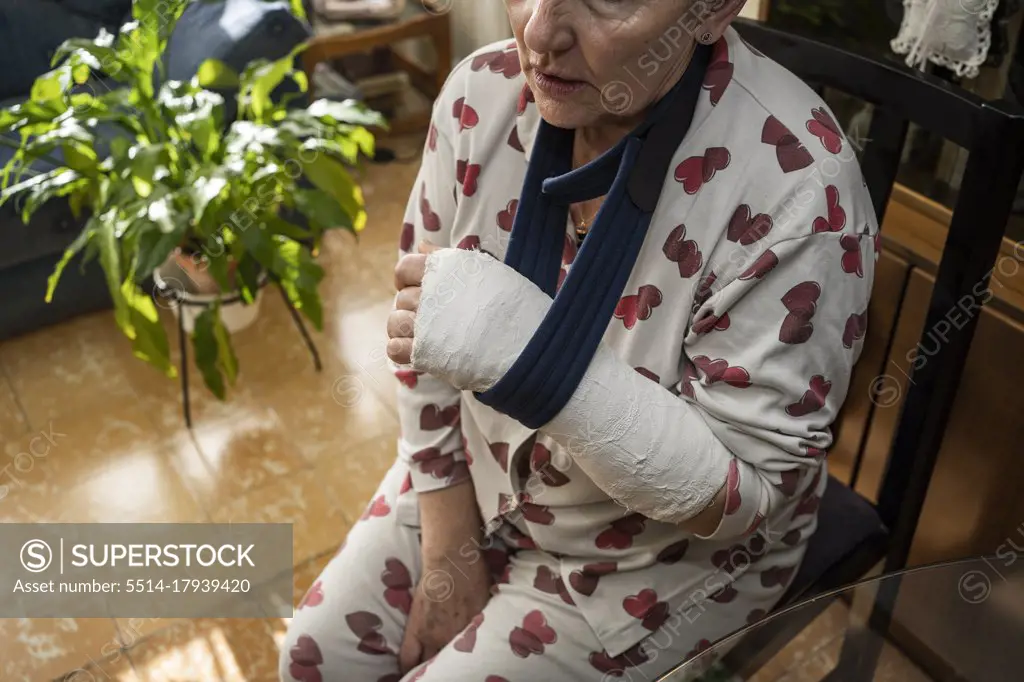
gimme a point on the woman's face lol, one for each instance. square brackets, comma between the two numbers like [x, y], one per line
[598, 61]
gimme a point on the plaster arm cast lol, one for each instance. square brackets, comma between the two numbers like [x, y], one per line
[730, 439]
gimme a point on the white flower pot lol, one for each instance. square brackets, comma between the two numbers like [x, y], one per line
[235, 315]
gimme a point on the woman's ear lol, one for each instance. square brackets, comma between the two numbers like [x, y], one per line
[720, 13]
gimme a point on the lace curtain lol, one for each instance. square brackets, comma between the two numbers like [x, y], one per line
[956, 34]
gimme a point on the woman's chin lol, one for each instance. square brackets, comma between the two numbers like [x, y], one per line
[565, 113]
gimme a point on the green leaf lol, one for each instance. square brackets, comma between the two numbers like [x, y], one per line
[202, 192]
[322, 209]
[214, 355]
[331, 177]
[300, 279]
[260, 80]
[51, 85]
[80, 158]
[110, 261]
[348, 111]
[298, 9]
[215, 74]
[149, 340]
[70, 252]
[154, 248]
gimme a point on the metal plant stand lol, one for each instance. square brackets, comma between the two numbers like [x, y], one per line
[183, 341]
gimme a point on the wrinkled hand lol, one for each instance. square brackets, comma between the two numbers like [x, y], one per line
[402, 320]
[444, 603]
[462, 316]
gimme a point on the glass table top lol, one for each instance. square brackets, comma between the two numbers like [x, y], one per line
[961, 621]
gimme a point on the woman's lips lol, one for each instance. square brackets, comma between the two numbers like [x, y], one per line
[556, 86]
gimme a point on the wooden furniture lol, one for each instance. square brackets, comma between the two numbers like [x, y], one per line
[331, 42]
[847, 546]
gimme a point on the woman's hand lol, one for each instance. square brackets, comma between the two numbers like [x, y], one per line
[447, 598]
[402, 320]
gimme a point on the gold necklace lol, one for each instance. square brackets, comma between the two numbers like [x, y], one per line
[581, 226]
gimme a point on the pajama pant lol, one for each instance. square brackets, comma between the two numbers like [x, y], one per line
[349, 626]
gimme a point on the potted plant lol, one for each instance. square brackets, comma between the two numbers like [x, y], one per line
[173, 190]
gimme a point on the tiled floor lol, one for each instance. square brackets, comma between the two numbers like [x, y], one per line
[291, 445]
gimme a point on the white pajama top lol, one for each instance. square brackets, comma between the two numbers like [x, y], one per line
[748, 301]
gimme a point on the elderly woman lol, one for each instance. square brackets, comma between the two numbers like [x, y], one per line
[637, 262]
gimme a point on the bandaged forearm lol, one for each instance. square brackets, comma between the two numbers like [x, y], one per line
[645, 447]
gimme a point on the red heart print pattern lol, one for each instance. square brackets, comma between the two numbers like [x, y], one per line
[467, 116]
[507, 216]
[621, 532]
[378, 507]
[856, 327]
[764, 264]
[431, 221]
[816, 452]
[789, 482]
[466, 452]
[585, 580]
[406, 485]
[813, 398]
[432, 138]
[525, 98]
[407, 237]
[745, 228]
[433, 417]
[504, 62]
[549, 582]
[314, 596]
[824, 127]
[851, 262]
[878, 243]
[366, 626]
[444, 467]
[513, 140]
[683, 252]
[674, 553]
[645, 607]
[500, 453]
[639, 306]
[756, 615]
[701, 646]
[532, 636]
[719, 370]
[792, 538]
[643, 371]
[519, 539]
[807, 505]
[689, 376]
[537, 513]
[790, 152]
[704, 291]
[306, 660]
[469, 243]
[632, 657]
[711, 322]
[408, 377]
[495, 678]
[696, 171]
[418, 675]
[466, 642]
[540, 464]
[568, 250]
[719, 72]
[776, 576]
[733, 501]
[724, 594]
[802, 302]
[397, 585]
[836, 219]
[496, 560]
[758, 520]
[467, 174]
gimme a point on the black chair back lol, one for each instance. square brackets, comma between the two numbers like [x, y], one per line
[993, 135]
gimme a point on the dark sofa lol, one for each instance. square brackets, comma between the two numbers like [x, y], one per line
[234, 31]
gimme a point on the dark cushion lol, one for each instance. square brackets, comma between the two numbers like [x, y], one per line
[848, 527]
[30, 32]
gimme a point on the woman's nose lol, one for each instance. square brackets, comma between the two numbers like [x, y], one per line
[549, 26]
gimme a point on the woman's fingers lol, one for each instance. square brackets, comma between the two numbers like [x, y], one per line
[408, 299]
[410, 654]
[400, 350]
[409, 271]
[401, 324]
